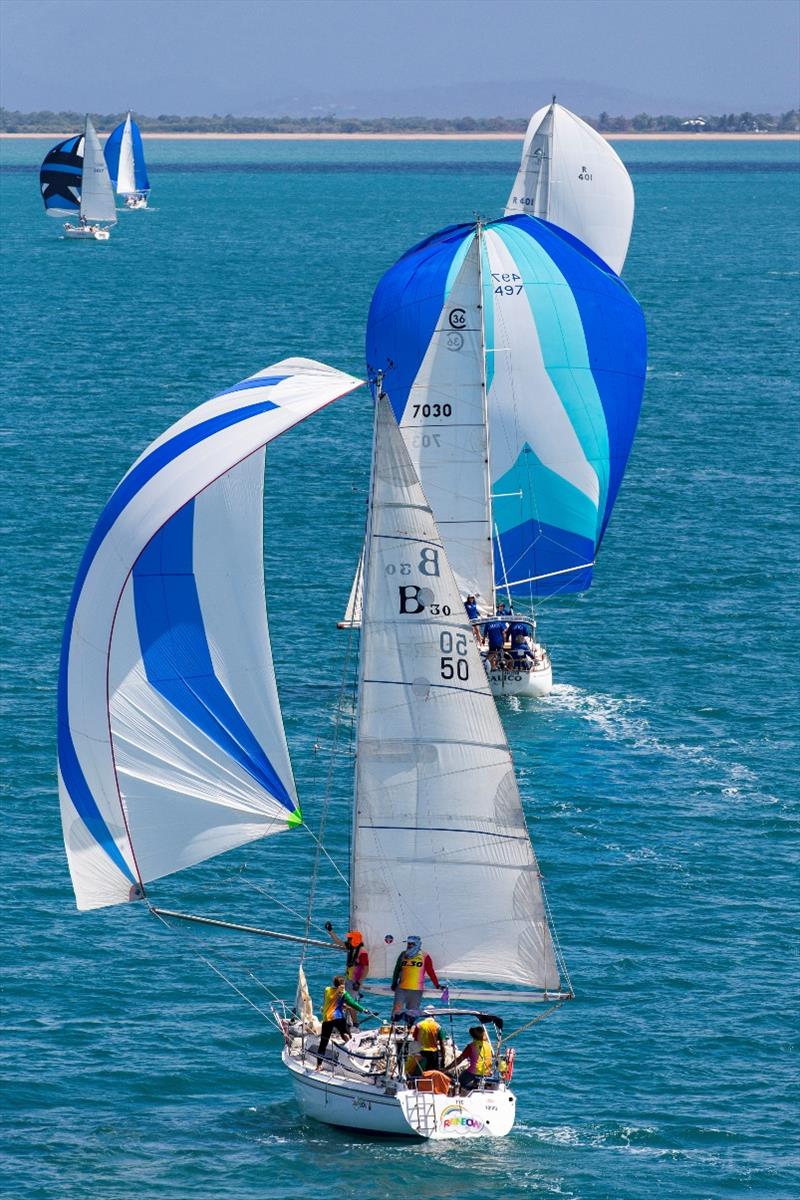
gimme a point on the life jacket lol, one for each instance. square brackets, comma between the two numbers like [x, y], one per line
[481, 1059]
[332, 1004]
[428, 1034]
[412, 973]
[356, 970]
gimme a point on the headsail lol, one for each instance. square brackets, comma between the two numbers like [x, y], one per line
[124, 155]
[60, 177]
[171, 746]
[565, 350]
[97, 198]
[440, 846]
[570, 175]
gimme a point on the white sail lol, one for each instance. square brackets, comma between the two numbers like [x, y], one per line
[444, 429]
[171, 746]
[440, 845]
[126, 176]
[571, 176]
[352, 614]
[97, 196]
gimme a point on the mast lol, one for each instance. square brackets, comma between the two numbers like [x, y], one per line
[485, 398]
[363, 567]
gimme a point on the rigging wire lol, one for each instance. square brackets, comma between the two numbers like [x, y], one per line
[534, 1021]
[203, 958]
[327, 793]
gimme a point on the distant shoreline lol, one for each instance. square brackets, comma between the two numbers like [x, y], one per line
[422, 137]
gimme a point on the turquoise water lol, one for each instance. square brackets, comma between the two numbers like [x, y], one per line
[657, 779]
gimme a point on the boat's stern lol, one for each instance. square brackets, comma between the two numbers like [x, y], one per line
[487, 1113]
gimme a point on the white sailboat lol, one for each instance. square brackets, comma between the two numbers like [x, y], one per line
[439, 841]
[124, 155]
[571, 176]
[97, 207]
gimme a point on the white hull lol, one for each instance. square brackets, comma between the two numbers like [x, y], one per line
[86, 233]
[394, 1108]
[135, 201]
[537, 682]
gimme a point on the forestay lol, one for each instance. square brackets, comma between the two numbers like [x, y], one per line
[124, 155]
[60, 177]
[171, 746]
[440, 845]
[97, 197]
[564, 367]
[570, 175]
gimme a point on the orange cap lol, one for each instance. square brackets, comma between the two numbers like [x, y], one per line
[355, 938]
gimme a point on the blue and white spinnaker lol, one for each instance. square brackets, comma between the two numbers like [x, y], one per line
[515, 360]
[171, 746]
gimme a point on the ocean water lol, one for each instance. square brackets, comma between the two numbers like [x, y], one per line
[657, 778]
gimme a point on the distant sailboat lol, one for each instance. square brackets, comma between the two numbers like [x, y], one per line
[124, 156]
[74, 179]
[571, 176]
[515, 363]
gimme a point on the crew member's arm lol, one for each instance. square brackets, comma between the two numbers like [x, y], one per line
[352, 1003]
[429, 971]
[396, 972]
[337, 941]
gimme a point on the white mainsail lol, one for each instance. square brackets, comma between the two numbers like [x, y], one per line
[571, 176]
[126, 176]
[440, 845]
[97, 196]
[451, 454]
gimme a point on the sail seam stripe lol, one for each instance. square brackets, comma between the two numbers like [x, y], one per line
[511, 837]
[448, 687]
[400, 537]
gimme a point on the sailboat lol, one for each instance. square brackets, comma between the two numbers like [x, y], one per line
[74, 179]
[439, 840]
[124, 156]
[571, 176]
[515, 360]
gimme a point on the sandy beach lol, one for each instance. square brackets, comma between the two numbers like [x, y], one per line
[427, 137]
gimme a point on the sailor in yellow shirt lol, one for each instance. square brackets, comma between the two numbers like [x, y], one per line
[333, 1014]
[428, 1034]
[408, 979]
[479, 1057]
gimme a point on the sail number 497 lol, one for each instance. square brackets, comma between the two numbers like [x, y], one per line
[508, 283]
[453, 663]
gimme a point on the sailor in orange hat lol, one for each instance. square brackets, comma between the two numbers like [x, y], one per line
[357, 967]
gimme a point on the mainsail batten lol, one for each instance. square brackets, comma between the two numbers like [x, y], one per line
[440, 845]
[170, 741]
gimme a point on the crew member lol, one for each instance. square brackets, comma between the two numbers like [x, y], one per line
[408, 979]
[428, 1033]
[357, 967]
[494, 634]
[478, 1056]
[333, 1014]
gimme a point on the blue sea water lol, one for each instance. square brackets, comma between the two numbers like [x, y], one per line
[657, 778]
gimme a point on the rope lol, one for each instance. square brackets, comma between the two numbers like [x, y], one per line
[272, 897]
[312, 891]
[535, 1021]
[222, 975]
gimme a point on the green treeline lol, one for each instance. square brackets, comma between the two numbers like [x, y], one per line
[54, 122]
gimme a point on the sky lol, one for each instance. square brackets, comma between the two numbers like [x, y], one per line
[399, 57]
